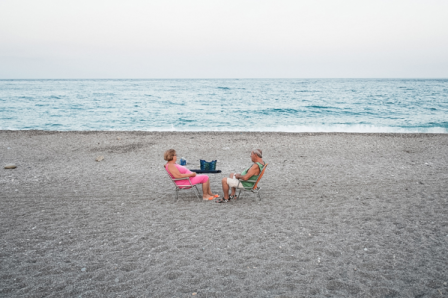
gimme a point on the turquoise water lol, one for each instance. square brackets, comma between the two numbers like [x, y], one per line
[291, 105]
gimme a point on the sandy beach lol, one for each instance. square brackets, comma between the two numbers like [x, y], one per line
[341, 215]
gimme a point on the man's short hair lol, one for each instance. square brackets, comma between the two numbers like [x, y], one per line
[258, 153]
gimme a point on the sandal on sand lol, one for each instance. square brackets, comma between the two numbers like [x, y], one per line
[232, 197]
[208, 199]
[221, 201]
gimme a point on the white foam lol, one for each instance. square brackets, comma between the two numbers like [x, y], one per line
[321, 128]
[298, 129]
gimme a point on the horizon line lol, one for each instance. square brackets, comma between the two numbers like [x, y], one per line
[227, 78]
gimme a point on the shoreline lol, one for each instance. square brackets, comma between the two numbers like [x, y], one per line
[341, 214]
[40, 131]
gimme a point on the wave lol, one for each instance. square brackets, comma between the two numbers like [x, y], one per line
[292, 129]
[276, 111]
[314, 129]
[208, 105]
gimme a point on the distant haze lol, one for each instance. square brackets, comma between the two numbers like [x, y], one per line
[224, 39]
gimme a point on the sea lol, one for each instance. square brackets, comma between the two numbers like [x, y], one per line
[277, 105]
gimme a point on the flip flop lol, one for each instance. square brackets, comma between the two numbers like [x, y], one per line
[216, 196]
[222, 201]
[208, 199]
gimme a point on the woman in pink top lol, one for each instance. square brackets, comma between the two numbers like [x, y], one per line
[177, 171]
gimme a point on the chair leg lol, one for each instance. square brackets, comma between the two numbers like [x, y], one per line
[239, 193]
[197, 192]
[177, 195]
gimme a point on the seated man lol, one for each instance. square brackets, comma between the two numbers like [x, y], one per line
[250, 173]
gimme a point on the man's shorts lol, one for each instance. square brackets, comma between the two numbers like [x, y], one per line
[235, 183]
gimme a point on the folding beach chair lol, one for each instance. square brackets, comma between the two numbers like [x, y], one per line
[187, 185]
[255, 189]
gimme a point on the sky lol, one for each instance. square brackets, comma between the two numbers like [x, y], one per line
[60, 39]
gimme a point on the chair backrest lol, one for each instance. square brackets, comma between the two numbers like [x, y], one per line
[166, 170]
[168, 173]
[189, 185]
[259, 176]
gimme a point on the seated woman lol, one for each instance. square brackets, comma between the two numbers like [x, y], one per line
[177, 171]
[251, 173]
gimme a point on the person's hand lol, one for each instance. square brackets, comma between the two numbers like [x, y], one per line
[193, 174]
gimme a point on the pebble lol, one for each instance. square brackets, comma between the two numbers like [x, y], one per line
[99, 158]
[365, 249]
[117, 280]
[83, 269]
[10, 166]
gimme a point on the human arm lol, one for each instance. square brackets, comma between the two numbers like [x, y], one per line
[176, 174]
[253, 171]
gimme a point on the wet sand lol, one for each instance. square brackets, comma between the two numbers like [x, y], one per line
[341, 215]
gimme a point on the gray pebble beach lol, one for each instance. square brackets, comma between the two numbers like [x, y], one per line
[340, 215]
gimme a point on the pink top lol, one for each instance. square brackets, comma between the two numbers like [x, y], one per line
[182, 170]
[199, 179]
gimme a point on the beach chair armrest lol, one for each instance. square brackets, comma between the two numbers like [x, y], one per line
[177, 179]
[252, 181]
[246, 187]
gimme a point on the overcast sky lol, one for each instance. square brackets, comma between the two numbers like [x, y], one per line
[224, 39]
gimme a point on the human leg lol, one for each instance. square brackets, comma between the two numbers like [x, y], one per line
[205, 194]
[209, 190]
[205, 181]
[233, 189]
[225, 188]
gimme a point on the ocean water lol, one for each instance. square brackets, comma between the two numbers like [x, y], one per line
[289, 105]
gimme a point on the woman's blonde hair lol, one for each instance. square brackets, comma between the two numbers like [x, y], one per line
[169, 154]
